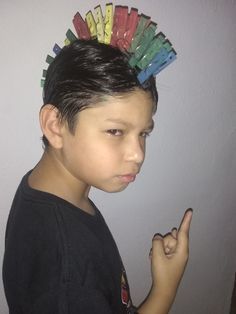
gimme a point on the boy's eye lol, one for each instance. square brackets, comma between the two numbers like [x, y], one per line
[115, 132]
[145, 134]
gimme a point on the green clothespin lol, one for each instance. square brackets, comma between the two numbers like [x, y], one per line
[138, 33]
[42, 82]
[70, 36]
[152, 50]
[167, 45]
[49, 59]
[146, 39]
[44, 73]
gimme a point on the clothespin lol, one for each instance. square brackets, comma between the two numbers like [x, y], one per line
[143, 23]
[99, 23]
[49, 59]
[42, 83]
[44, 73]
[132, 23]
[108, 23]
[56, 49]
[66, 42]
[145, 41]
[152, 50]
[119, 26]
[70, 36]
[162, 59]
[170, 58]
[81, 27]
[91, 24]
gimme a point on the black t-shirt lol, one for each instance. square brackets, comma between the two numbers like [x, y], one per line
[60, 260]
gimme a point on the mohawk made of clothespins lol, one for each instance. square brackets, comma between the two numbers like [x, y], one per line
[149, 51]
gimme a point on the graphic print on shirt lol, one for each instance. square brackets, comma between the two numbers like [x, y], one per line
[125, 296]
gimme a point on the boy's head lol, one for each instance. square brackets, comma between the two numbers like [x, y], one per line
[85, 73]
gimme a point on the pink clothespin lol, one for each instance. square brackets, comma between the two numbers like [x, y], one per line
[119, 26]
[81, 27]
[131, 26]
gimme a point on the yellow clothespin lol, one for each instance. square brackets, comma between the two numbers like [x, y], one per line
[100, 23]
[66, 42]
[108, 23]
[91, 24]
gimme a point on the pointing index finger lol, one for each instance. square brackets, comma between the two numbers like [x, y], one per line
[186, 221]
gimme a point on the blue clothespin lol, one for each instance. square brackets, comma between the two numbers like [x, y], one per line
[56, 49]
[171, 57]
[162, 59]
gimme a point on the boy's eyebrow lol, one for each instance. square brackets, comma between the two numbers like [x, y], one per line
[149, 127]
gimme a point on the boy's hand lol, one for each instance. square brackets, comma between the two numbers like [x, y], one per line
[169, 256]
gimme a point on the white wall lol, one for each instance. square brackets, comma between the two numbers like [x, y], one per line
[191, 155]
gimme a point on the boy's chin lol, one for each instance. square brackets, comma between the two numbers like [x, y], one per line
[113, 189]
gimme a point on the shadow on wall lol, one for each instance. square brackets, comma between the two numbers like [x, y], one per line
[233, 300]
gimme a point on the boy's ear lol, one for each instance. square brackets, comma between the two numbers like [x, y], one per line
[51, 125]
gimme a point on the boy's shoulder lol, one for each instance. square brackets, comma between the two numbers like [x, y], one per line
[39, 209]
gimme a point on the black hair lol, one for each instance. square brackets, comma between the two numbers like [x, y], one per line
[83, 73]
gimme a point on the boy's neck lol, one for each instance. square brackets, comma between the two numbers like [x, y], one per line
[50, 176]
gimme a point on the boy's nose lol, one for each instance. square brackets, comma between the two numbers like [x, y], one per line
[135, 151]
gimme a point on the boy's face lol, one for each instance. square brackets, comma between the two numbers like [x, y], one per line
[107, 148]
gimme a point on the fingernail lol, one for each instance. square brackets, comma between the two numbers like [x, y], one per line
[158, 236]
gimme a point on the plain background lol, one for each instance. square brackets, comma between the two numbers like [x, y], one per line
[191, 155]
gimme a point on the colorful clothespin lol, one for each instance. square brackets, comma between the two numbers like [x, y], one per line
[132, 23]
[44, 73]
[98, 17]
[42, 83]
[152, 50]
[108, 23]
[70, 37]
[119, 26]
[170, 58]
[91, 24]
[160, 61]
[148, 35]
[81, 27]
[49, 59]
[56, 49]
[143, 23]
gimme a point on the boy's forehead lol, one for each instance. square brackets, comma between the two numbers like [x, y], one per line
[126, 108]
[138, 98]
[136, 93]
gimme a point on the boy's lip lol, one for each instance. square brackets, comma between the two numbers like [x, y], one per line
[126, 178]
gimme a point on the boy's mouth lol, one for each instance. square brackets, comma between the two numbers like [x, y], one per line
[127, 178]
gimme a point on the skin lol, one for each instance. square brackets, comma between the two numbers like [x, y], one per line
[169, 256]
[106, 151]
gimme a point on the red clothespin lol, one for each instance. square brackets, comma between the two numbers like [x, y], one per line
[81, 27]
[119, 26]
[131, 26]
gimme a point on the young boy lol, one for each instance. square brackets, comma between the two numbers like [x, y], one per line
[60, 257]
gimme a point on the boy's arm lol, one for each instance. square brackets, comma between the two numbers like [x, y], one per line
[168, 260]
